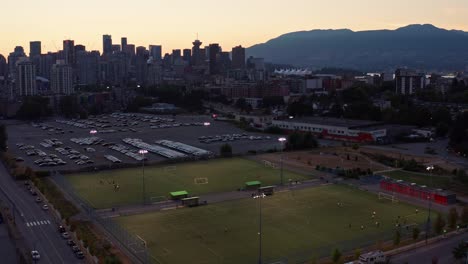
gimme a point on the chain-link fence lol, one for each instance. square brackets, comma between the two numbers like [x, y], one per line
[133, 244]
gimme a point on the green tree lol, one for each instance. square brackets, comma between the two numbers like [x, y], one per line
[397, 237]
[69, 106]
[439, 224]
[416, 233]
[336, 255]
[459, 252]
[3, 138]
[357, 253]
[453, 218]
[226, 150]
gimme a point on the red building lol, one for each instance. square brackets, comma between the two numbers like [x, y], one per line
[420, 192]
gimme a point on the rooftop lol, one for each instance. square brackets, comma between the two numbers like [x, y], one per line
[339, 122]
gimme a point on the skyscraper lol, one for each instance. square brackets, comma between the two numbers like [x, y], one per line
[25, 78]
[123, 44]
[156, 52]
[214, 50]
[61, 78]
[79, 48]
[69, 51]
[3, 66]
[106, 44]
[187, 55]
[87, 67]
[34, 49]
[196, 53]
[238, 57]
[13, 58]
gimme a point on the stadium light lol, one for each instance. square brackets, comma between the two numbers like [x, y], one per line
[428, 224]
[143, 152]
[207, 124]
[282, 140]
[259, 197]
[93, 131]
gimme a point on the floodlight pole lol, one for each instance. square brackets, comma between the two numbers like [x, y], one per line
[260, 197]
[430, 168]
[281, 140]
[143, 152]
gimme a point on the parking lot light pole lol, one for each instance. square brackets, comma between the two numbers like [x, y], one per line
[282, 140]
[143, 152]
[429, 169]
[93, 131]
[207, 124]
[260, 197]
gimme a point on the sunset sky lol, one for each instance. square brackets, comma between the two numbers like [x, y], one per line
[175, 23]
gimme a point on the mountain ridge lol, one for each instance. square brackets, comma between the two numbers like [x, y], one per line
[423, 46]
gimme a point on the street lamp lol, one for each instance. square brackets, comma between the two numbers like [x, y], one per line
[259, 197]
[143, 152]
[429, 169]
[282, 140]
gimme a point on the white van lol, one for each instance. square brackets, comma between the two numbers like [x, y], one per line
[372, 257]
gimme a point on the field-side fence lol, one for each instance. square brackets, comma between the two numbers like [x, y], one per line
[133, 244]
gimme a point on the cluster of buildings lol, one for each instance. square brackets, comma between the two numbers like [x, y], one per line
[121, 65]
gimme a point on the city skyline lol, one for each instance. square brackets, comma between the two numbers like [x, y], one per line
[175, 26]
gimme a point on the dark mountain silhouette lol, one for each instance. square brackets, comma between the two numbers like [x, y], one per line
[414, 46]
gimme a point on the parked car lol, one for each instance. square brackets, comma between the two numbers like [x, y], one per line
[35, 255]
[65, 235]
[45, 207]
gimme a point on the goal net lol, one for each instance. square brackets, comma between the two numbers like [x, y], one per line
[386, 196]
[170, 168]
[201, 181]
[270, 164]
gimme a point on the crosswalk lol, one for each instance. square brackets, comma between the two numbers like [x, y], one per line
[37, 223]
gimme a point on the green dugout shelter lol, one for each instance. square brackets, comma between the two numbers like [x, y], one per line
[179, 195]
[252, 185]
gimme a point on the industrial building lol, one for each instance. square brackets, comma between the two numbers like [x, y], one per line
[336, 129]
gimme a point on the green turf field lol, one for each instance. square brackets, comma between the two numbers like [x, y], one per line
[420, 178]
[308, 220]
[196, 177]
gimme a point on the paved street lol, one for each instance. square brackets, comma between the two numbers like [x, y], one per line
[441, 250]
[37, 226]
[7, 248]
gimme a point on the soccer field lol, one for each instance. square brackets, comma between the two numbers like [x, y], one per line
[195, 177]
[420, 178]
[308, 221]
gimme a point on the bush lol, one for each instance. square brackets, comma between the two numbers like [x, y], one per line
[226, 150]
[416, 233]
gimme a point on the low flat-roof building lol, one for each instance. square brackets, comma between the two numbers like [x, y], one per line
[335, 128]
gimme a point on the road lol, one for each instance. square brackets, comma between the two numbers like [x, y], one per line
[441, 250]
[36, 225]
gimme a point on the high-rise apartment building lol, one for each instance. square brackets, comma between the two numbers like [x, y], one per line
[87, 64]
[61, 78]
[13, 58]
[69, 52]
[25, 78]
[238, 57]
[407, 82]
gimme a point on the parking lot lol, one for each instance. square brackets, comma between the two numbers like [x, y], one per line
[60, 144]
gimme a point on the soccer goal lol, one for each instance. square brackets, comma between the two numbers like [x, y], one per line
[200, 181]
[270, 164]
[170, 168]
[386, 196]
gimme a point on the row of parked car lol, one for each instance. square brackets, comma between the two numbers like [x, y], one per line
[62, 230]
[127, 151]
[230, 137]
[45, 160]
[52, 142]
[50, 129]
